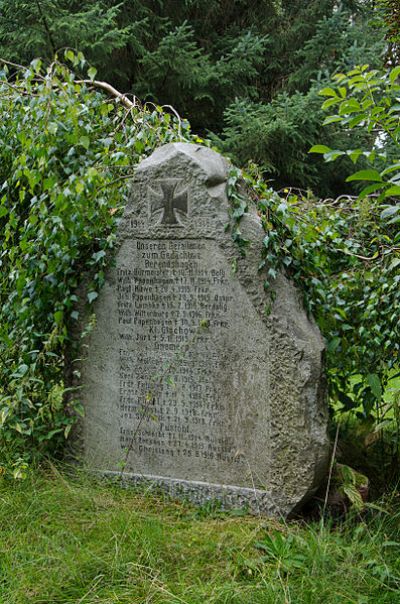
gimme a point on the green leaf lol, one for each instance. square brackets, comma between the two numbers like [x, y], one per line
[92, 73]
[319, 149]
[354, 155]
[394, 264]
[327, 92]
[346, 401]
[21, 371]
[365, 175]
[332, 119]
[58, 316]
[370, 189]
[70, 55]
[355, 121]
[333, 344]
[394, 74]
[3, 211]
[391, 169]
[333, 155]
[375, 384]
[79, 187]
[349, 106]
[85, 141]
[329, 102]
[97, 256]
[392, 191]
[92, 296]
[389, 211]
[36, 65]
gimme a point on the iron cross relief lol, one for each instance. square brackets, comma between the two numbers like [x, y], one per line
[169, 201]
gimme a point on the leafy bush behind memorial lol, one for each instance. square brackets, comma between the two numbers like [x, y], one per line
[67, 151]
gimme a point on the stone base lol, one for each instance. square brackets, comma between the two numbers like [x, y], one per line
[254, 501]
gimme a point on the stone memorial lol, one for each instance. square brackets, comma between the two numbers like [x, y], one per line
[188, 384]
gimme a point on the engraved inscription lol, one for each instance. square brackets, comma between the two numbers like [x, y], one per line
[169, 201]
[163, 303]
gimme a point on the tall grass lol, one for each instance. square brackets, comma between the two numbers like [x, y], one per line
[75, 540]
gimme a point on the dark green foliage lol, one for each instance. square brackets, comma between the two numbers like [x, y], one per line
[211, 61]
[340, 255]
[64, 164]
[42, 27]
[276, 134]
[345, 255]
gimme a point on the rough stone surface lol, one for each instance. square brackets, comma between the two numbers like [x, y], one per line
[210, 397]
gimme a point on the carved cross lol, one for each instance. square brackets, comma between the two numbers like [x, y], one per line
[169, 201]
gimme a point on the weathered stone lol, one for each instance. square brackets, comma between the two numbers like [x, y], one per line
[188, 383]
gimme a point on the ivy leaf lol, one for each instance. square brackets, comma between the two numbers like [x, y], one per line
[92, 296]
[92, 73]
[375, 384]
[85, 141]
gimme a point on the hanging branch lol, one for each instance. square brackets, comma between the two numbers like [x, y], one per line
[111, 90]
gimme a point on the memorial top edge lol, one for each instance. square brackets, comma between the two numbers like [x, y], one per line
[180, 189]
[211, 162]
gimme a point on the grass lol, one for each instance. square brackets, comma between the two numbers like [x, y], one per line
[75, 540]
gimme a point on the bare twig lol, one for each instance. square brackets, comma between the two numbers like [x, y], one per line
[366, 258]
[111, 90]
[328, 486]
[113, 182]
[178, 117]
[17, 65]
[20, 90]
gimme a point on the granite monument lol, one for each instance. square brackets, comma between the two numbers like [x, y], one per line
[188, 384]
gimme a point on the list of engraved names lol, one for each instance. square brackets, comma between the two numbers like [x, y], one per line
[173, 315]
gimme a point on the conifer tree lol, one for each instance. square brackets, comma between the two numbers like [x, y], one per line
[246, 71]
